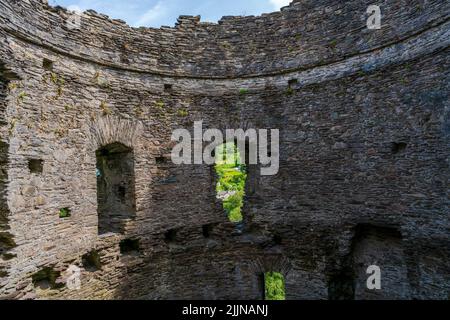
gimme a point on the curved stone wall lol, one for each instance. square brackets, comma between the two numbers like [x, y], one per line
[364, 151]
[304, 35]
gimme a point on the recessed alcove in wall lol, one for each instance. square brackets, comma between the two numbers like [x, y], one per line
[398, 147]
[162, 161]
[372, 246]
[91, 261]
[171, 236]
[36, 166]
[6, 85]
[129, 246]
[277, 240]
[292, 82]
[115, 188]
[47, 64]
[46, 278]
[6, 239]
[382, 247]
[207, 230]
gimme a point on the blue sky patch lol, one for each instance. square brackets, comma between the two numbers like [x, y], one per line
[156, 13]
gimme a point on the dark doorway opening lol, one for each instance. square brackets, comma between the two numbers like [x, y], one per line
[115, 188]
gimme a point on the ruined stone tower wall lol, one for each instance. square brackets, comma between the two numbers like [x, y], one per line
[364, 152]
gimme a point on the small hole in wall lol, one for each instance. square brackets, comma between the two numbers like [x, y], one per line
[129, 246]
[292, 82]
[427, 118]
[3, 273]
[36, 166]
[91, 261]
[124, 58]
[6, 242]
[207, 230]
[46, 279]
[168, 87]
[171, 236]
[277, 239]
[121, 192]
[8, 256]
[161, 160]
[47, 64]
[65, 213]
[398, 147]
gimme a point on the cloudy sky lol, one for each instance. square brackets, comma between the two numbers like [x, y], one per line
[155, 13]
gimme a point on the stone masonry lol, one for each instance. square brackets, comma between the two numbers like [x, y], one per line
[86, 179]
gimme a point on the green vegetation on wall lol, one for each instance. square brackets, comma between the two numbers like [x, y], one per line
[232, 176]
[64, 213]
[275, 287]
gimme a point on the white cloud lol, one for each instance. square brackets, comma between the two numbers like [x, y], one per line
[156, 12]
[277, 4]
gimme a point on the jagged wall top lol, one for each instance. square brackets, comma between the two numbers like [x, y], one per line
[305, 34]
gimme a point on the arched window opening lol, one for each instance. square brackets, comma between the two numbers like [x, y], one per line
[115, 188]
[232, 177]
